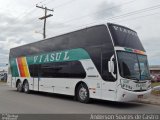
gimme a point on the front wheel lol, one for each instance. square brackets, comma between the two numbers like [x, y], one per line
[26, 87]
[83, 93]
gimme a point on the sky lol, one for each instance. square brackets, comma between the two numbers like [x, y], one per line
[19, 23]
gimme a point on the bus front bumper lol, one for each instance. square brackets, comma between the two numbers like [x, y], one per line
[125, 95]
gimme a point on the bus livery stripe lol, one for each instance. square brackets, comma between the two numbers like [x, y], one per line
[58, 56]
[23, 63]
[23, 68]
[17, 67]
[14, 68]
[20, 66]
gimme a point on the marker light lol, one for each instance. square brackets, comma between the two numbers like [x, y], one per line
[134, 51]
[128, 50]
[139, 52]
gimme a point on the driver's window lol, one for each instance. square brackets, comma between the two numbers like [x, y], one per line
[106, 75]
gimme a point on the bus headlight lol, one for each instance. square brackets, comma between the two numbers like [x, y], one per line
[127, 87]
[125, 84]
[149, 86]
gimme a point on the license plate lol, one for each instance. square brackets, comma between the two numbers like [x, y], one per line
[140, 96]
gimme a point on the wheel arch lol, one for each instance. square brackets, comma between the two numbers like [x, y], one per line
[25, 80]
[18, 80]
[76, 87]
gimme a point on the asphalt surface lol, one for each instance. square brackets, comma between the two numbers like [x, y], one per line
[12, 101]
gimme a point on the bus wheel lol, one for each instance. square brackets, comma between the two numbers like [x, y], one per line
[26, 87]
[83, 93]
[19, 87]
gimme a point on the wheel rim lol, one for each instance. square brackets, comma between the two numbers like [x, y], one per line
[83, 93]
[26, 87]
[19, 86]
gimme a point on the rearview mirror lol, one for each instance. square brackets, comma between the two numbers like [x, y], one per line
[111, 66]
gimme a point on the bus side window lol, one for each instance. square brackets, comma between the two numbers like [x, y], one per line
[34, 70]
[95, 54]
[73, 69]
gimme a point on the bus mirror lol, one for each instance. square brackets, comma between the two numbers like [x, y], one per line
[111, 66]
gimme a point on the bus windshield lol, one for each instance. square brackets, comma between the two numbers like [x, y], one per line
[133, 66]
[125, 37]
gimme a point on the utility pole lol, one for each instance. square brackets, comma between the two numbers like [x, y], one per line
[44, 18]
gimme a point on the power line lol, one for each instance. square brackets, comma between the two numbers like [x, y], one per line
[114, 17]
[88, 15]
[58, 6]
[124, 15]
[41, 1]
[131, 13]
[31, 10]
[27, 12]
[136, 12]
[148, 15]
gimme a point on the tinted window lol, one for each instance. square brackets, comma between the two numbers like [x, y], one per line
[34, 70]
[58, 70]
[133, 66]
[125, 37]
[93, 36]
[95, 54]
[106, 75]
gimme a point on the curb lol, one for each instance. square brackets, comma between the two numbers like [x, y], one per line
[154, 97]
[147, 101]
[3, 84]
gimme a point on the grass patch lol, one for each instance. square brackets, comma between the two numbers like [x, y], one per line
[155, 84]
[155, 92]
[3, 82]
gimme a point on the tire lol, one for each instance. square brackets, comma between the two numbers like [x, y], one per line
[26, 87]
[19, 87]
[83, 93]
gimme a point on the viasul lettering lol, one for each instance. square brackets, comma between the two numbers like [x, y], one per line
[51, 57]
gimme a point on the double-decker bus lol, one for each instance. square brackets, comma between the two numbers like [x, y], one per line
[105, 62]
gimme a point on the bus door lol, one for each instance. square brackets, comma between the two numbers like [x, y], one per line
[36, 77]
[46, 78]
[109, 76]
[93, 68]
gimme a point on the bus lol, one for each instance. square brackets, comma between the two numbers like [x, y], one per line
[105, 61]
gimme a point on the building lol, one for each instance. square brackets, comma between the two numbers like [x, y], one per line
[154, 69]
[155, 72]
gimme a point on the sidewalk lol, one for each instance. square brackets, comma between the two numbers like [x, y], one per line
[153, 99]
[3, 83]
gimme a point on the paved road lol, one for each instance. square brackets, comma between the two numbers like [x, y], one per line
[12, 101]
